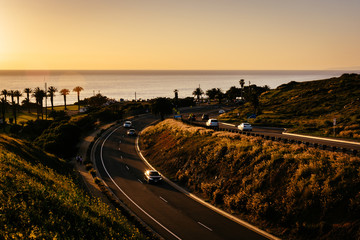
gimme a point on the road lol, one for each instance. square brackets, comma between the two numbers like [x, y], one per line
[172, 214]
[279, 135]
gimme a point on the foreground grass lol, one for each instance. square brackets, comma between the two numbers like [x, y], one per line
[39, 198]
[291, 190]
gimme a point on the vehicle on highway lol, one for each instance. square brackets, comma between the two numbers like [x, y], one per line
[212, 122]
[205, 117]
[127, 124]
[221, 111]
[245, 127]
[152, 176]
[131, 132]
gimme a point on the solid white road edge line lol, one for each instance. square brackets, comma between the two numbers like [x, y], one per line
[205, 226]
[225, 214]
[307, 136]
[102, 161]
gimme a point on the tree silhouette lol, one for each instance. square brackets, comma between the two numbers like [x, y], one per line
[198, 92]
[219, 95]
[27, 100]
[211, 93]
[64, 92]
[51, 91]
[161, 106]
[5, 93]
[39, 95]
[233, 93]
[3, 104]
[78, 89]
[17, 94]
[11, 93]
[242, 83]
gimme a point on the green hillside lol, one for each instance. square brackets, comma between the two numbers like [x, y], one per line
[291, 190]
[40, 199]
[309, 107]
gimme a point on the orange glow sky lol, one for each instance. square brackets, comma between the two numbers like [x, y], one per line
[173, 34]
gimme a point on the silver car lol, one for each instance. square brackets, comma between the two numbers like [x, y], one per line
[127, 124]
[245, 127]
[212, 123]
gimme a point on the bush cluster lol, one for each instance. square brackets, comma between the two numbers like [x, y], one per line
[39, 199]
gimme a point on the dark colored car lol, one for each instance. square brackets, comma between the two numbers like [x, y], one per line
[131, 132]
[205, 117]
[152, 176]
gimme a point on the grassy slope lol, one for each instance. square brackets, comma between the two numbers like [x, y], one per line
[294, 191]
[40, 199]
[310, 107]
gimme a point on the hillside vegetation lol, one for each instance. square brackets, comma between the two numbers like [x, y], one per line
[293, 191]
[40, 199]
[309, 107]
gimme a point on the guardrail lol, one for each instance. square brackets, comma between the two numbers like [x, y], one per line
[328, 147]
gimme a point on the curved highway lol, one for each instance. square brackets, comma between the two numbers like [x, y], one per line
[172, 214]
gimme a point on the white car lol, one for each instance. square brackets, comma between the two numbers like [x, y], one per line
[152, 176]
[127, 124]
[221, 111]
[212, 122]
[245, 127]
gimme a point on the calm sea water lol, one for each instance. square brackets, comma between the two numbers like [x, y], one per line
[149, 84]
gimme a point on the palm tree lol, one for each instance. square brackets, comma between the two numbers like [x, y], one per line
[13, 105]
[198, 92]
[242, 83]
[27, 100]
[39, 95]
[78, 89]
[18, 94]
[4, 92]
[3, 103]
[64, 92]
[51, 90]
[11, 94]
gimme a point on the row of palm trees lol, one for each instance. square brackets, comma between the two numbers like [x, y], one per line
[39, 95]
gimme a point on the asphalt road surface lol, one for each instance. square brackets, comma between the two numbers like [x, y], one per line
[172, 214]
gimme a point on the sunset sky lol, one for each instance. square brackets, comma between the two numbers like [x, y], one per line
[186, 34]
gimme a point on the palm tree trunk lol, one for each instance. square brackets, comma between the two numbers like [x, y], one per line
[65, 101]
[52, 103]
[42, 110]
[79, 101]
[14, 113]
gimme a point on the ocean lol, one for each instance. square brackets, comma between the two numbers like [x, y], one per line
[145, 85]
